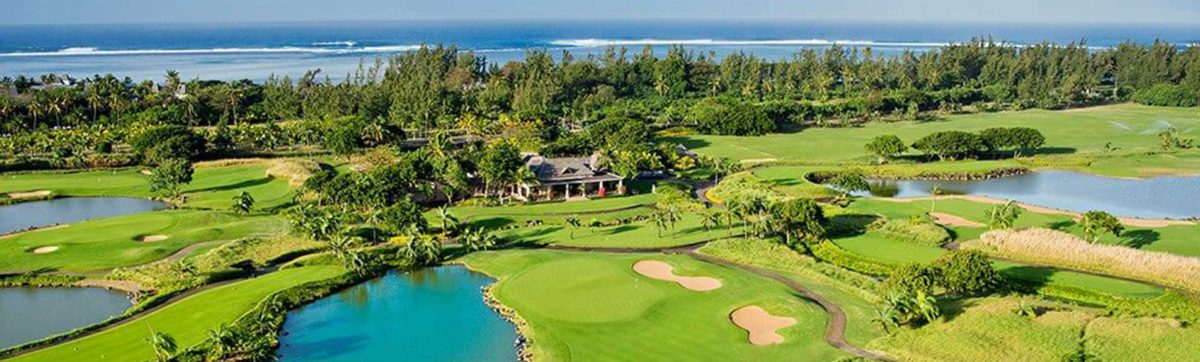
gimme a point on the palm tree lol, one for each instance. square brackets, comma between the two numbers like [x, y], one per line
[449, 222]
[710, 220]
[164, 345]
[661, 220]
[224, 341]
[243, 203]
[1003, 216]
[934, 191]
[573, 222]
[887, 318]
[926, 306]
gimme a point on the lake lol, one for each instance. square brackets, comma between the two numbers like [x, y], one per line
[60, 211]
[29, 314]
[1162, 197]
[433, 314]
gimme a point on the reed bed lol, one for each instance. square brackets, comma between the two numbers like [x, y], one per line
[1051, 247]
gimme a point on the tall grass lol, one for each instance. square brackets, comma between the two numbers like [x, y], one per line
[1044, 246]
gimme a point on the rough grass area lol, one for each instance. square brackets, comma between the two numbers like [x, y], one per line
[188, 320]
[1045, 246]
[113, 242]
[918, 232]
[591, 307]
[990, 330]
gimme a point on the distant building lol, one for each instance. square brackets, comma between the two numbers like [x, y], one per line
[570, 177]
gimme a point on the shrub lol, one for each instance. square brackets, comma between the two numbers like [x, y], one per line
[968, 272]
[912, 278]
[1018, 139]
[886, 146]
[167, 142]
[950, 144]
[1167, 95]
[727, 116]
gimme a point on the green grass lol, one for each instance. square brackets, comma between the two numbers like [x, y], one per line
[876, 247]
[595, 307]
[988, 330]
[1179, 239]
[641, 234]
[113, 242]
[852, 292]
[188, 320]
[1120, 340]
[211, 187]
[1129, 127]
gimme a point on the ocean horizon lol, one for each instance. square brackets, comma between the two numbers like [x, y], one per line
[256, 51]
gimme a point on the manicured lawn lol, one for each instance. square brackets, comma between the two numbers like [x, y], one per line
[853, 299]
[188, 320]
[590, 306]
[113, 242]
[1127, 127]
[638, 234]
[211, 187]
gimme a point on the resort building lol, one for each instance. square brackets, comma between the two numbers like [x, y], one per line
[568, 177]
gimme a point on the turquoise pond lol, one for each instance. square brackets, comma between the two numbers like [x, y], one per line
[433, 314]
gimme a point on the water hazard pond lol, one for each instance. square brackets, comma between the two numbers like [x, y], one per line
[433, 314]
[60, 211]
[1163, 197]
[30, 314]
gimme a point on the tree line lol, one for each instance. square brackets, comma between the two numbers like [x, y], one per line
[442, 87]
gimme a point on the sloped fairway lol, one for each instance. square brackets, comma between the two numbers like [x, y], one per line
[211, 187]
[1142, 339]
[591, 306]
[188, 320]
[116, 241]
[638, 234]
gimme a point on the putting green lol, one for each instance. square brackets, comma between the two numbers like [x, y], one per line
[582, 306]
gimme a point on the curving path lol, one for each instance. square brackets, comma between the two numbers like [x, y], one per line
[835, 333]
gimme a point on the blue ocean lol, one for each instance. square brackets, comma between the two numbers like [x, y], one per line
[255, 51]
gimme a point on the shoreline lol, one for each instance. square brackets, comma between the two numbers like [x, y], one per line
[1128, 221]
[524, 342]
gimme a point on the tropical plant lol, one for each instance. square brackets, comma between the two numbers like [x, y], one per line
[710, 220]
[243, 203]
[171, 175]
[573, 222]
[164, 345]
[1003, 216]
[886, 147]
[1097, 222]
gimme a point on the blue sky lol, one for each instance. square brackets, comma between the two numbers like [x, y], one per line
[182, 11]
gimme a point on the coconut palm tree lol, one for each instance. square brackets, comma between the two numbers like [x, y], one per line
[887, 318]
[1003, 216]
[164, 345]
[448, 221]
[661, 220]
[224, 341]
[573, 222]
[934, 191]
[710, 220]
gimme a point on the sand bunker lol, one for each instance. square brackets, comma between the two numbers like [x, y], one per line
[146, 172]
[45, 250]
[29, 194]
[152, 238]
[953, 220]
[760, 324]
[662, 271]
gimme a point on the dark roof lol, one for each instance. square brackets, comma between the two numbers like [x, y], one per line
[552, 171]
